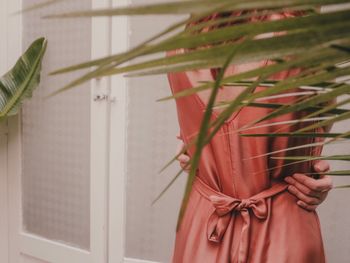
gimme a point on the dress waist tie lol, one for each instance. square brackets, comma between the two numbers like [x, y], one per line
[227, 206]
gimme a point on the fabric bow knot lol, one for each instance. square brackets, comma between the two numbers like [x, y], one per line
[226, 204]
[225, 207]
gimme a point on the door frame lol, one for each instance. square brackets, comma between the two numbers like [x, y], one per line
[118, 95]
[118, 145]
[118, 115]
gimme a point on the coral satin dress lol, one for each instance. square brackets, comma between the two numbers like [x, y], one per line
[239, 208]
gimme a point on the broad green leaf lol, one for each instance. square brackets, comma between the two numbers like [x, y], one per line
[19, 83]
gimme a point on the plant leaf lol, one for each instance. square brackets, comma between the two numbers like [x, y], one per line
[335, 173]
[307, 135]
[19, 83]
[309, 158]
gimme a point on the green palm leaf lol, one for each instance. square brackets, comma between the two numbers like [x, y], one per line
[201, 139]
[303, 135]
[193, 6]
[342, 186]
[318, 42]
[308, 158]
[39, 5]
[335, 173]
[19, 83]
[184, 40]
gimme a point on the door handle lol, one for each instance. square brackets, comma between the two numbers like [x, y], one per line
[100, 97]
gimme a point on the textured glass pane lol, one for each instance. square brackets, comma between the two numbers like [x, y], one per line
[56, 132]
[152, 129]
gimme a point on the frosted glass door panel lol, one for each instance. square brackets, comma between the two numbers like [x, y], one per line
[56, 132]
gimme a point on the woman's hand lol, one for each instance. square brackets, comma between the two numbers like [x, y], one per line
[311, 192]
[182, 158]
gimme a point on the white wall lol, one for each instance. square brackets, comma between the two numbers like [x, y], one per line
[335, 211]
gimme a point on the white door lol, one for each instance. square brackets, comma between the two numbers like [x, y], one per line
[58, 149]
[67, 157]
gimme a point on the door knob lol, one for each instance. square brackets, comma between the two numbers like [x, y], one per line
[99, 97]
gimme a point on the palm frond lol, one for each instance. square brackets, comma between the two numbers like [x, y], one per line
[309, 158]
[193, 6]
[317, 42]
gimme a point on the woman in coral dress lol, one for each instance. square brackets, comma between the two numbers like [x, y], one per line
[240, 208]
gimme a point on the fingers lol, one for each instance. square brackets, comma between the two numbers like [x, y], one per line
[185, 167]
[178, 135]
[303, 197]
[183, 158]
[307, 206]
[310, 192]
[323, 184]
[302, 188]
[321, 166]
[180, 147]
